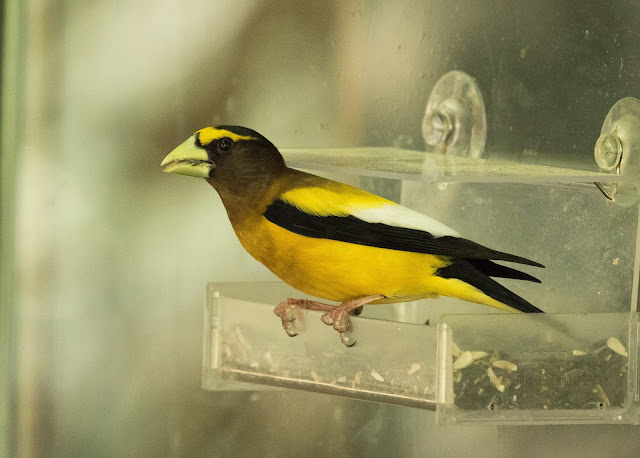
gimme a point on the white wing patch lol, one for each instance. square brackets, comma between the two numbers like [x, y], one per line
[399, 216]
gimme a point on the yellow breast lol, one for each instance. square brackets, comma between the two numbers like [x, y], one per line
[340, 271]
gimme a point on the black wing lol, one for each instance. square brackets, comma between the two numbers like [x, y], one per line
[353, 230]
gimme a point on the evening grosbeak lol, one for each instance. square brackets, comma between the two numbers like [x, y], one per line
[337, 242]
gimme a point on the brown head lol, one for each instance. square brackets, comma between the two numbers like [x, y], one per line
[238, 162]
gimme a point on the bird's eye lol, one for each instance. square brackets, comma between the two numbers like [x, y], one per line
[225, 144]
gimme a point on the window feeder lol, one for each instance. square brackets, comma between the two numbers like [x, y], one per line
[575, 364]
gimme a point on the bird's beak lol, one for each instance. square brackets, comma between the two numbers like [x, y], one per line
[188, 159]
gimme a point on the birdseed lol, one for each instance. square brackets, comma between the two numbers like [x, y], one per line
[596, 379]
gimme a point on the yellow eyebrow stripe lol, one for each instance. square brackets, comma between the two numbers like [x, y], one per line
[209, 134]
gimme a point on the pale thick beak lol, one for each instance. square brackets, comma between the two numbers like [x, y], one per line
[188, 159]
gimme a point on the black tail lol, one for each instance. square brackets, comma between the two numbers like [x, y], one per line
[476, 272]
[491, 269]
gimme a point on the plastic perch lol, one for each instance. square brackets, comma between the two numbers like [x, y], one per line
[244, 342]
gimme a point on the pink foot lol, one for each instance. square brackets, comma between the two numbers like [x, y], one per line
[288, 311]
[339, 317]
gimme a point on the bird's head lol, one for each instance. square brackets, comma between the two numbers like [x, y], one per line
[232, 157]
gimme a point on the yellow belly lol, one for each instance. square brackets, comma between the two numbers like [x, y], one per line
[340, 271]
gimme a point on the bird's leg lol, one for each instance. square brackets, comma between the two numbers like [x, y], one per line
[287, 311]
[339, 317]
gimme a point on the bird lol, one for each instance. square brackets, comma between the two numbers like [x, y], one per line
[337, 242]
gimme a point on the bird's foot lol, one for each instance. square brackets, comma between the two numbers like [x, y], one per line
[338, 317]
[288, 311]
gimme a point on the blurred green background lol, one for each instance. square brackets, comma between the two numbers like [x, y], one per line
[105, 258]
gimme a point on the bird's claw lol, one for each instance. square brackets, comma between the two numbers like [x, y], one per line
[347, 339]
[288, 313]
[289, 328]
[339, 319]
